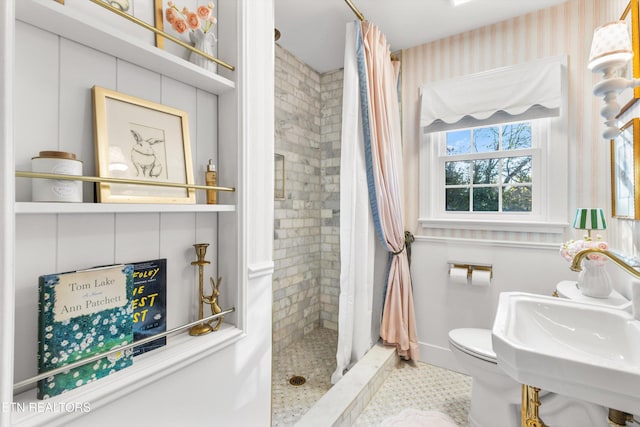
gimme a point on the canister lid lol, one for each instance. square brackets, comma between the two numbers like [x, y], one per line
[56, 155]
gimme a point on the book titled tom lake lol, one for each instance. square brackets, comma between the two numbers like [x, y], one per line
[81, 314]
[149, 303]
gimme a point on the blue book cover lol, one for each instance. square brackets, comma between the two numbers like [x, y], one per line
[81, 314]
[149, 303]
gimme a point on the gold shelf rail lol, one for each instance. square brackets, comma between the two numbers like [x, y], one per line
[82, 362]
[42, 175]
[162, 33]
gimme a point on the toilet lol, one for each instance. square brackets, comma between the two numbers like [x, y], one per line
[496, 397]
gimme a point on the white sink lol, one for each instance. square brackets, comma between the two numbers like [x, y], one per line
[586, 351]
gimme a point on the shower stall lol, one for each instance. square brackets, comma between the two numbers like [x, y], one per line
[306, 250]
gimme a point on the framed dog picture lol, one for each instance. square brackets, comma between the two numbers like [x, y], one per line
[140, 140]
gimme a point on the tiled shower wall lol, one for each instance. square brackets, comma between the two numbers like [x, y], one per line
[306, 230]
[331, 96]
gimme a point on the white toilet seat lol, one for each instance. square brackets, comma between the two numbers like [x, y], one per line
[475, 342]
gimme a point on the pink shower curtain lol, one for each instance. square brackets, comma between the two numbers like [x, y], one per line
[398, 319]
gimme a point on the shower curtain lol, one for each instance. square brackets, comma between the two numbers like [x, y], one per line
[371, 168]
[357, 235]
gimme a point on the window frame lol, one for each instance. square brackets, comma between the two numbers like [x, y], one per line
[549, 183]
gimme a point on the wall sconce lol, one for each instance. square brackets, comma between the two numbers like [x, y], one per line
[610, 51]
[589, 219]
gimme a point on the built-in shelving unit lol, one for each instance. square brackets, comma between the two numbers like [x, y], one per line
[54, 233]
[73, 25]
[180, 350]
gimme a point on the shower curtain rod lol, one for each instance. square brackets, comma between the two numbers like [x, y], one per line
[355, 10]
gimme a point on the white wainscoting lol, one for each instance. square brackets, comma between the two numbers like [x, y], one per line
[441, 306]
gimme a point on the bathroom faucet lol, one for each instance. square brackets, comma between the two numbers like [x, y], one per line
[635, 285]
[577, 260]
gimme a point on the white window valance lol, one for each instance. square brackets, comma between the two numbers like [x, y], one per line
[518, 92]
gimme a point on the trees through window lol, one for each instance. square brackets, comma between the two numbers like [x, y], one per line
[489, 169]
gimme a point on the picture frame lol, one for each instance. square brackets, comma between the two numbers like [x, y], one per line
[278, 169]
[631, 16]
[137, 139]
[159, 22]
[625, 171]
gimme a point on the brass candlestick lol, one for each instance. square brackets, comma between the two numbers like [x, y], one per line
[202, 328]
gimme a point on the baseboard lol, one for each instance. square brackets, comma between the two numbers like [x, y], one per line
[440, 356]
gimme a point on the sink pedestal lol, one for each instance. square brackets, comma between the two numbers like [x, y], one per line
[530, 407]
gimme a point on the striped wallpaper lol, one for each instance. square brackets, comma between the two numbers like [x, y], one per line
[563, 29]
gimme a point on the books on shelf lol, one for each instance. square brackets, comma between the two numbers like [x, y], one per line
[149, 303]
[81, 314]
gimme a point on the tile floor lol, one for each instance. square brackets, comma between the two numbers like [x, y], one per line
[419, 386]
[410, 385]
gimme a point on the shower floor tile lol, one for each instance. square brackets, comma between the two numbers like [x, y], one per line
[313, 357]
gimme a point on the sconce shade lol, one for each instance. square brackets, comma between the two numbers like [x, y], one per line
[589, 219]
[611, 43]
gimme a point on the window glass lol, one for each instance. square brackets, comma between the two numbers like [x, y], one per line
[457, 173]
[457, 199]
[486, 139]
[516, 170]
[486, 176]
[516, 199]
[516, 135]
[458, 142]
[485, 199]
[486, 171]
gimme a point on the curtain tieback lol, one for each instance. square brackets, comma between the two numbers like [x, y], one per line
[408, 240]
[400, 251]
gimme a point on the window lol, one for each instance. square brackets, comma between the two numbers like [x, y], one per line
[488, 169]
[494, 149]
[508, 176]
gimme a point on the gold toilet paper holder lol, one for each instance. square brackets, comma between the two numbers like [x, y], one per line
[470, 267]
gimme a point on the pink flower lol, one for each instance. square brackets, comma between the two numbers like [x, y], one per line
[204, 12]
[171, 15]
[193, 21]
[183, 19]
[569, 249]
[180, 26]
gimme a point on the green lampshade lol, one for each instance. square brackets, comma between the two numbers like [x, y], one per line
[590, 219]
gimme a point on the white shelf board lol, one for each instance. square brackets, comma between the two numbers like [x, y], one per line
[180, 351]
[74, 25]
[89, 208]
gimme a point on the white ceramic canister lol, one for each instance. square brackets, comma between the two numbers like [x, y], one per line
[56, 190]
